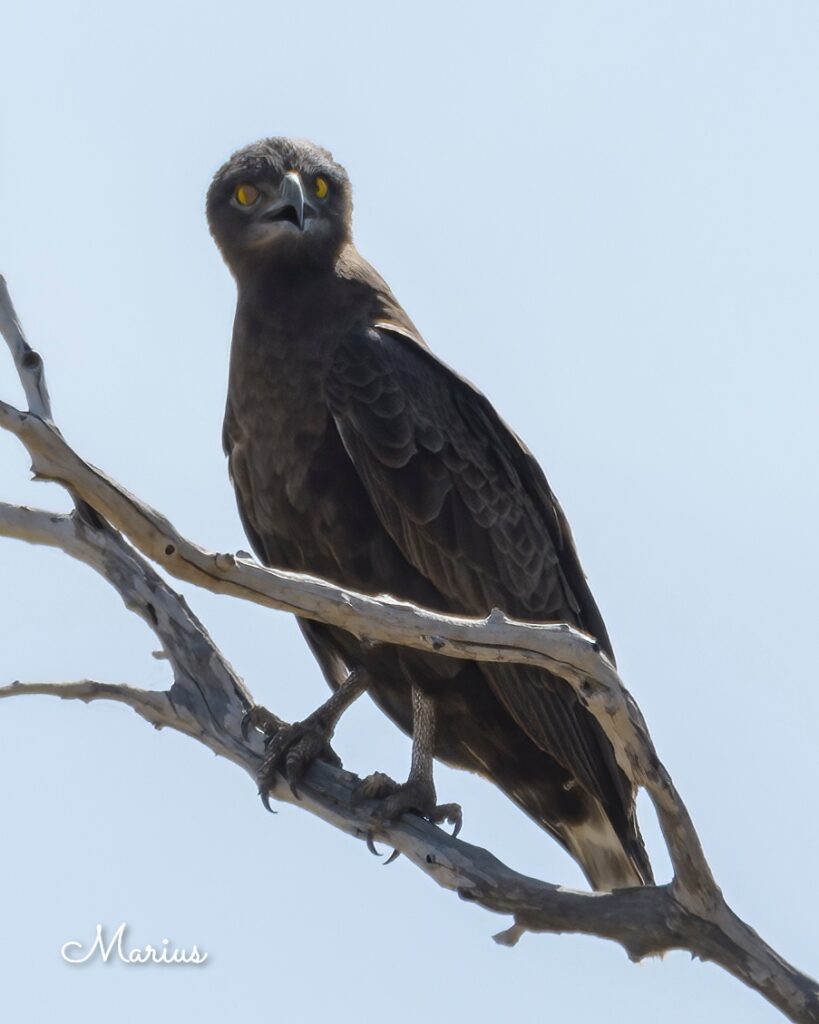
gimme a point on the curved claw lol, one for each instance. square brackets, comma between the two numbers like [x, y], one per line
[371, 845]
[293, 772]
[265, 797]
[451, 813]
[392, 857]
[244, 726]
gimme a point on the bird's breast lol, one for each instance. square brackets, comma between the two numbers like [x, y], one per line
[294, 482]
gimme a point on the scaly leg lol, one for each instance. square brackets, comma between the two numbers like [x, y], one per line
[417, 795]
[291, 749]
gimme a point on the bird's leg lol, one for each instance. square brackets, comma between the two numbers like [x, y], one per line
[416, 795]
[291, 749]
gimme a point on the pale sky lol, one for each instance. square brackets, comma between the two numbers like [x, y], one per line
[606, 216]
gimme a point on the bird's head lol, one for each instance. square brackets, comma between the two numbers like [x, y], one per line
[279, 202]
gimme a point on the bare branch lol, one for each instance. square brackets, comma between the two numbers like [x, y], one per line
[207, 698]
[28, 362]
[561, 649]
[150, 704]
[207, 701]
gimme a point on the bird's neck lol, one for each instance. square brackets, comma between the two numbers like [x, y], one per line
[277, 292]
[294, 315]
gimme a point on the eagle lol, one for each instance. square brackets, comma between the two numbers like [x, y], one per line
[358, 456]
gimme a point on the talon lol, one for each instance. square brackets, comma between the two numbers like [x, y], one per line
[392, 857]
[293, 773]
[265, 796]
[290, 750]
[262, 720]
[451, 813]
[416, 796]
[248, 722]
[374, 787]
[371, 845]
[292, 782]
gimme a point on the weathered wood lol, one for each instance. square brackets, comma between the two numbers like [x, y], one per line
[207, 701]
[564, 650]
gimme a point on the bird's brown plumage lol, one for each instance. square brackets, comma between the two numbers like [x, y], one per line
[357, 455]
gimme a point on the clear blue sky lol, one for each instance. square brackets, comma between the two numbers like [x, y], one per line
[626, 261]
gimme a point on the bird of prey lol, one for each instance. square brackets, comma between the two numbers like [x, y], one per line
[358, 456]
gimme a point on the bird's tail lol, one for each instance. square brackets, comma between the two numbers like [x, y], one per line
[610, 857]
[608, 861]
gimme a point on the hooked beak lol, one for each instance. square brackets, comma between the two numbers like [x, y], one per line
[290, 204]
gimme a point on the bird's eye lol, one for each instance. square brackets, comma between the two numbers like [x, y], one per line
[321, 187]
[245, 195]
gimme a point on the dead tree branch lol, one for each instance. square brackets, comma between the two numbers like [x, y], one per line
[116, 534]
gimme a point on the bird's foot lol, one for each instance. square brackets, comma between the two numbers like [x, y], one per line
[290, 749]
[415, 796]
[262, 720]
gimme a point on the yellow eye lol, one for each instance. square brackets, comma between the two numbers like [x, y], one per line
[321, 187]
[245, 195]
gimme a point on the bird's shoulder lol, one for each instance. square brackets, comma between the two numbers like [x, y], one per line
[458, 489]
[380, 306]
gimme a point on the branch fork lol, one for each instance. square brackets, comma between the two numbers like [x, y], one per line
[119, 536]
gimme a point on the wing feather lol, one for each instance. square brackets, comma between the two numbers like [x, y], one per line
[469, 508]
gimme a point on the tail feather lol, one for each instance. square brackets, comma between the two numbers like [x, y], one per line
[607, 861]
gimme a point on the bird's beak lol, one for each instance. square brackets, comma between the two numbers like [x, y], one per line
[293, 195]
[290, 203]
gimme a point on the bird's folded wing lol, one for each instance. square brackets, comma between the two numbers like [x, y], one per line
[470, 509]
